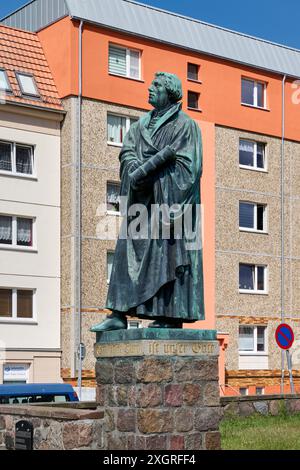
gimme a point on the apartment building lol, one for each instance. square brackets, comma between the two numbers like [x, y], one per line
[242, 92]
[30, 117]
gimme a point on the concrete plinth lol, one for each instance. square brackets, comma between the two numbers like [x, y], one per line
[159, 389]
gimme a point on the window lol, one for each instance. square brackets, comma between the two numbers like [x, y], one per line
[110, 260]
[124, 62]
[252, 278]
[117, 128]
[252, 216]
[16, 303]
[252, 339]
[260, 390]
[16, 158]
[253, 93]
[113, 197]
[16, 231]
[252, 154]
[4, 83]
[193, 100]
[27, 84]
[133, 324]
[193, 72]
[243, 391]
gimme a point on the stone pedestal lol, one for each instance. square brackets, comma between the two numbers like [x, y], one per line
[159, 389]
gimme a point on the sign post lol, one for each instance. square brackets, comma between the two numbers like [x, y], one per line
[284, 336]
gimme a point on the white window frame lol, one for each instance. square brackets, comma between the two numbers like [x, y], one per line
[255, 95]
[14, 246]
[14, 318]
[127, 127]
[131, 322]
[265, 218]
[13, 171]
[112, 252]
[244, 388]
[35, 95]
[255, 167]
[9, 88]
[255, 290]
[255, 352]
[108, 212]
[127, 49]
[262, 391]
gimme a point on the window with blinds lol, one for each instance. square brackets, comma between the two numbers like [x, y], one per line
[124, 62]
[252, 216]
[16, 303]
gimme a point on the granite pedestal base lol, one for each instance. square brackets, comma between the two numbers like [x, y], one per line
[159, 389]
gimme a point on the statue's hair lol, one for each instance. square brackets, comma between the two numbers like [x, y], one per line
[172, 84]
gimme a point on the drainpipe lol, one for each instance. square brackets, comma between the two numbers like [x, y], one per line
[282, 277]
[78, 222]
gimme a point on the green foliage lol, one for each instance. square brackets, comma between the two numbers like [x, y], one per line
[258, 432]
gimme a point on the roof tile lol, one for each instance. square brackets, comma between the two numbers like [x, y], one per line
[21, 51]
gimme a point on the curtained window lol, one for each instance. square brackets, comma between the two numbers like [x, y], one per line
[5, 156]
[16, 158]
[252, 338]
[6, 235]
[24, 159]
[24, 232]
[16, 231]
[113, 197]
[117, 127]
[252, 154]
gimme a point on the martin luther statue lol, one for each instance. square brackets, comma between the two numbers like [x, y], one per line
[157, 277]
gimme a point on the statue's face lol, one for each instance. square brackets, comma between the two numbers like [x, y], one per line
[158, 95]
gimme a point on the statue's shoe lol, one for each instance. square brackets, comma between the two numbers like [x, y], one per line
[110, 324]
[165, 324]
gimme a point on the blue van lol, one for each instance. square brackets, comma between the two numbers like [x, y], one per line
[36, 393]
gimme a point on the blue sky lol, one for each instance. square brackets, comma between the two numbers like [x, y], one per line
[275, 20]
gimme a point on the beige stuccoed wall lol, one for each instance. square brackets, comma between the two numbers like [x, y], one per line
[38, 341]
[233, 246]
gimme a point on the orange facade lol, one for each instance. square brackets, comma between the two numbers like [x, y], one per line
[220, 87]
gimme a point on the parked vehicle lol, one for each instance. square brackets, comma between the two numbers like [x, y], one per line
[36, 393]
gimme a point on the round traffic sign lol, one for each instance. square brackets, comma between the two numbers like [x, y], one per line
[284, 336]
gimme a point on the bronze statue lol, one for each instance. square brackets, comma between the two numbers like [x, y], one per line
[157, 277]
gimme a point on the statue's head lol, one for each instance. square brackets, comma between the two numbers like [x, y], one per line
[165, 89]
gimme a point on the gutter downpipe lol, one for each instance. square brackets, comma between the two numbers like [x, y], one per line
[78, 254]
[282, 277]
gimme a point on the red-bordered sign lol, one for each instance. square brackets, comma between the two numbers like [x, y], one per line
[284, 336]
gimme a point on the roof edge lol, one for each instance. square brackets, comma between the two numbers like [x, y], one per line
[195, 20]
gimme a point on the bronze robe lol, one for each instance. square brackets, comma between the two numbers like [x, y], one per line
[154, 278]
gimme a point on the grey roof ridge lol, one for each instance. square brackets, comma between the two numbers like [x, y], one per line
[195, 20]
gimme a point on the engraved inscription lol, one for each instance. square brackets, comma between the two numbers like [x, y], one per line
[156, 348]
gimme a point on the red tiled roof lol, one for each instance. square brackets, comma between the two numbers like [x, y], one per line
[21, 51]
